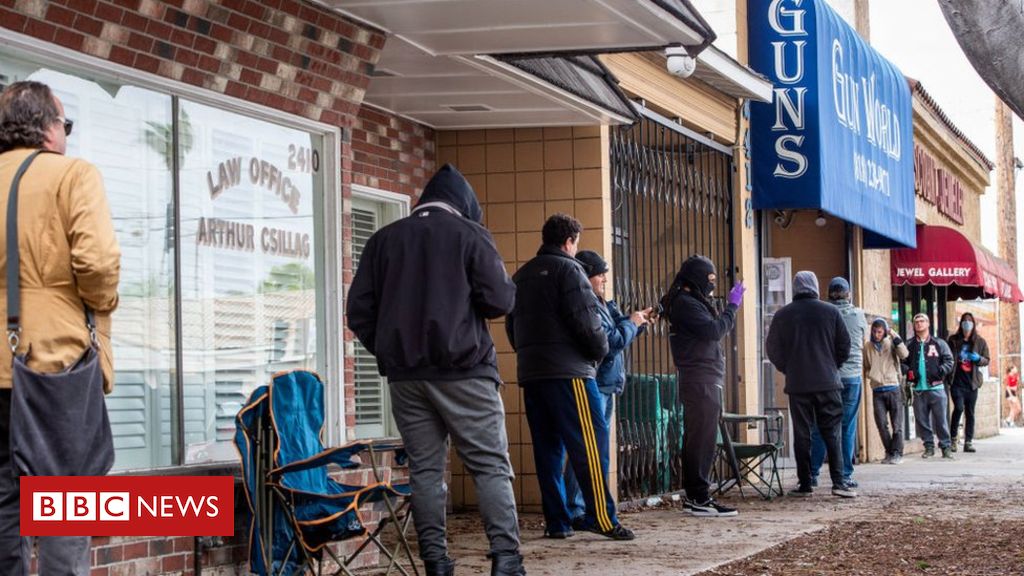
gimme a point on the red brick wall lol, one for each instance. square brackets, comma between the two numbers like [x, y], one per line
[285, 54]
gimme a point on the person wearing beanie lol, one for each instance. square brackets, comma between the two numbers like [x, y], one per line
[697, 328]
[611, 373]
[851, 376]
[808, 342]
[882, 355]
[928, 363]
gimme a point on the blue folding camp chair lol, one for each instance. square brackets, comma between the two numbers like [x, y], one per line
[296, 508]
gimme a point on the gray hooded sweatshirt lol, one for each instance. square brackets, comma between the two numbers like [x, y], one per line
[857, 326]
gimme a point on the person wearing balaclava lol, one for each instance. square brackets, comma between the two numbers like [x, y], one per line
[971, 352]
[883, 353]
[696, 332]
[851, 375]
[808, 342]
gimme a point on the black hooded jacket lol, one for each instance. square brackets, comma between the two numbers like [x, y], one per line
[808, 340]
[426, 285]
[697, 328]
[556, 325]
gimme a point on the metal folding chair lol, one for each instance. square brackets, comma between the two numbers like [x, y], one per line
[754, 464]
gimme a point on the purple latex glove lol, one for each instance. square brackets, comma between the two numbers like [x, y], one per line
[736, 294]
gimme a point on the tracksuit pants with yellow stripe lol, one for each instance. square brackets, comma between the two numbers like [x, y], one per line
[565, 416]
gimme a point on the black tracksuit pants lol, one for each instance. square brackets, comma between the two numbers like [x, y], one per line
[824, 409]
[702, 408]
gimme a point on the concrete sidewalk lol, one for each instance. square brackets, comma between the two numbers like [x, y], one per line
[670, 542]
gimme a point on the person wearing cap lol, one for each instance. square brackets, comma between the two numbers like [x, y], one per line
[882, 356]
[611, 373]
[928, 363]
[697, 328]
[808, 342]
[851, 375]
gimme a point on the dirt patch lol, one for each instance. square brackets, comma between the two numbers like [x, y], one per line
[951, 533]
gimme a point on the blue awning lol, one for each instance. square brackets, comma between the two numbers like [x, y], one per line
[838, 134]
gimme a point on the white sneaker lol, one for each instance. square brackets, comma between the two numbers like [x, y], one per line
[709, 509]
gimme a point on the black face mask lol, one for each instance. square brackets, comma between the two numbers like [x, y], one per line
[711, 288]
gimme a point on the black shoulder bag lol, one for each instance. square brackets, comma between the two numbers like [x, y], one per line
[59, 421]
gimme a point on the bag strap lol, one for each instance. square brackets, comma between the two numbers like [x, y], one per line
[14, 264]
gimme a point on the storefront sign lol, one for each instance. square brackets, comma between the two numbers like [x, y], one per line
[941, 275]
[261, 173]
[837, 135]
[230, 235]
[938, 186]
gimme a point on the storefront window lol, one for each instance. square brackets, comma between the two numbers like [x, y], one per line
[248, 260]
[247, 282]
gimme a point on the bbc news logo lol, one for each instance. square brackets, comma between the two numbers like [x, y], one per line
[127, 506]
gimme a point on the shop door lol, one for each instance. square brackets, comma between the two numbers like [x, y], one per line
[671, 198]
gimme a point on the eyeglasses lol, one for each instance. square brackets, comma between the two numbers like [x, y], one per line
[68, 125]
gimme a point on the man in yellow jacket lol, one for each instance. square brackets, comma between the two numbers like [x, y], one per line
[69, 258]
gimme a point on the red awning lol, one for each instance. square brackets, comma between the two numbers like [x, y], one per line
[945, 257]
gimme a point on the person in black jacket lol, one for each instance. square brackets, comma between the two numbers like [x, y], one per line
[972, 353]
[697, 330]
[929, 363]
[420, 301]
[808, 342]
[556, 332]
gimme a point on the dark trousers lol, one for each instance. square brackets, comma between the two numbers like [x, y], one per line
[58, 555]
[964, 400]
[567, 416]
[889, 408]
[702, 408]
[824, 409]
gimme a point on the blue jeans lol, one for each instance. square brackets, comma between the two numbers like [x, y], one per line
[851, 403]
[573, 495]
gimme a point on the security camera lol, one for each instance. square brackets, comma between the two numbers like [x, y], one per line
[679, 62]
[780, 219]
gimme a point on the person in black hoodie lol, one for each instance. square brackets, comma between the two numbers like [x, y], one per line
[697, 330]
[556, 332]
[420, 301]
[808, 342]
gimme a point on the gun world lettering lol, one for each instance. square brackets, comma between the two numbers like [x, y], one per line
[856, 102]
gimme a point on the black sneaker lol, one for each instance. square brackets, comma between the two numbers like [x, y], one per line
[619, 532]
[579, 524]
[850, 482]
[559, 535]
[801, 492]
[968, 447]
[708, 509]
[929, 451]
[844, 491]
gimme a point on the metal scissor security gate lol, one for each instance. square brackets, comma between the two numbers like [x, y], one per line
[671, 198]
